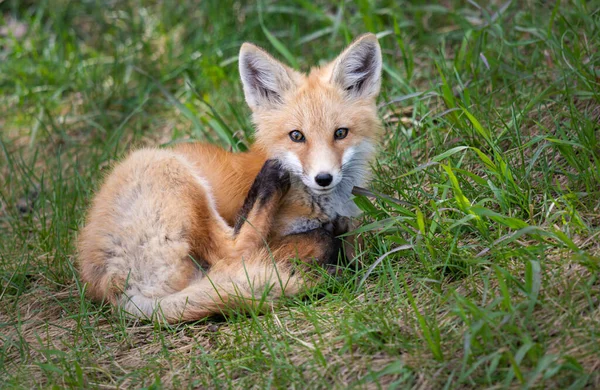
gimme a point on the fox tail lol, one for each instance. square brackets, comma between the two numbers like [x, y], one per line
[224, 287]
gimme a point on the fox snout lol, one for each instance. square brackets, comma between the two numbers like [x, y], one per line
[320, 183]
[323, 179]
[322, 168]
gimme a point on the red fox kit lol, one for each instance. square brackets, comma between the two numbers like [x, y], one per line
[186, 232]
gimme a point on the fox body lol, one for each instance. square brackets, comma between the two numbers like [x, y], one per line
[190, 231]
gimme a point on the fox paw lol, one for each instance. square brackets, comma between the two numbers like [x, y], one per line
[270, 185]
[271, 179]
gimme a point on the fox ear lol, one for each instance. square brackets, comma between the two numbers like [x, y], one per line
[265, 79]
[358, 69]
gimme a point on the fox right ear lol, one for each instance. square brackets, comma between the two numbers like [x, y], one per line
[358, 69]
[265, 79]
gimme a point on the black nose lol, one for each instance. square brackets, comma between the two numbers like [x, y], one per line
[323, 179]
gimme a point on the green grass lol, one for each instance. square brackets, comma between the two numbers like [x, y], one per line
[492, 136]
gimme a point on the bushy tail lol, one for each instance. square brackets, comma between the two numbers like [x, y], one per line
[223, 288]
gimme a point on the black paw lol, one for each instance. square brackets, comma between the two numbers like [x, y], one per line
[332, 253]
[273, 172]
[337, 227]
[335, 254]
[329, 227]
[272, 180]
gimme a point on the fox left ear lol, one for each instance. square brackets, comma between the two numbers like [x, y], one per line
[358, 69]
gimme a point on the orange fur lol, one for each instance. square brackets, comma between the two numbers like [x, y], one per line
[159, 237]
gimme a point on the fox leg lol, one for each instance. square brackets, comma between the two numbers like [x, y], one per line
[257, 279]
[255, 219]
[216, 242]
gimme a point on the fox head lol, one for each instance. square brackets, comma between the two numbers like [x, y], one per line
[323, 125]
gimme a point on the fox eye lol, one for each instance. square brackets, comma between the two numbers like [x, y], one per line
[340, 133]
[296, 136]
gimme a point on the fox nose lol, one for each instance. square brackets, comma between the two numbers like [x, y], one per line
[323, 179]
